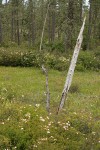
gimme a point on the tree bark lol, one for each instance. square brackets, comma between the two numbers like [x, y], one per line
[47, 89]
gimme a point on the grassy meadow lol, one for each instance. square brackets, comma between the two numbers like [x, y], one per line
[24, 122]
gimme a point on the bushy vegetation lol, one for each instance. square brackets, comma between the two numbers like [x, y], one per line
[24, 122]
[29, 127]
[27, 58]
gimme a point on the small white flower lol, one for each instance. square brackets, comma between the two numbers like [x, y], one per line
[22, 96]
[27, 115]
[51, 137]
[47, 117]
[74, 113]
[44, 139]
[24, 120]
[8, 119]
[77, 133]
[34, 145]
[48, 132]
[37, 105]
[55, 139]
[41, 119]
[93, 133]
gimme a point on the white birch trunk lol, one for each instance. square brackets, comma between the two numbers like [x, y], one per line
[71, 68]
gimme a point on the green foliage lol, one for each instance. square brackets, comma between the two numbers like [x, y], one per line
[29, 127]
[88, 61]
[31, 58]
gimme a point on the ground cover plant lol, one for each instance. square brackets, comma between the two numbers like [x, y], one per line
[24, 57]
[24, 122]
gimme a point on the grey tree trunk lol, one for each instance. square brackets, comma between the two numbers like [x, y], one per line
[53, 21]
[12, 26]
[81, 10]
[71, 68]
[0, 29]
[90, 25]
[18, 34]
[31, 22]
[0, 24]
[47, 89]
[44, 26]
[70, 26]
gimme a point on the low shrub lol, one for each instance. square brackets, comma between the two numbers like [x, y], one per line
[88, 61]
[29, 127]
[74, 88]
[31, 58]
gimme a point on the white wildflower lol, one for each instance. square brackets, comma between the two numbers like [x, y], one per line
[34, 145]
[37, 105]
[51, 137]
[48, 132]
[44, 139]
[93, 133]
[22, 96]
[41, 119]
[47, 117]
[74, 113]
[28, 115]
[55, 139]
[8, 119]
[24, 120]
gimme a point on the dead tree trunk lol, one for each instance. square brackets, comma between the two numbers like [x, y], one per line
[71, 68]
[47, 89]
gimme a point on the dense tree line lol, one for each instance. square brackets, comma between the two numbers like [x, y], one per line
[22, 22]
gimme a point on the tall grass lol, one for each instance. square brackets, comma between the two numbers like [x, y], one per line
[24, 122]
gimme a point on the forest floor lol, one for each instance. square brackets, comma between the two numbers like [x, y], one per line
[24, 122]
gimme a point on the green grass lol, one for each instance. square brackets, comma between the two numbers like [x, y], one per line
[21, 127]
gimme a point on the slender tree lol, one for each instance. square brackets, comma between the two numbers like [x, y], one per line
[0, 23]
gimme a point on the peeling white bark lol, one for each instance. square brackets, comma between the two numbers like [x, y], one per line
[71, 68]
